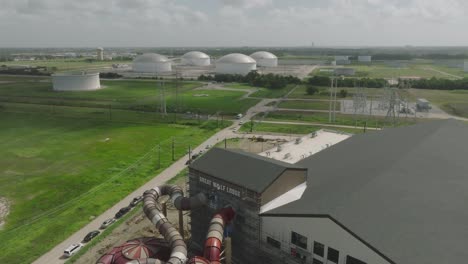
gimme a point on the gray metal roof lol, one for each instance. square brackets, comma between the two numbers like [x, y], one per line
[251, 171]
[402, 190]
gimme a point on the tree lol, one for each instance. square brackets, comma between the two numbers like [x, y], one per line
[311, 90]
[343, 93]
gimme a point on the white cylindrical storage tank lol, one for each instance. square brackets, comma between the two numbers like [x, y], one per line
[235, 63]
[152, 63]
[265, 59]
[195, 58]
[76, 81]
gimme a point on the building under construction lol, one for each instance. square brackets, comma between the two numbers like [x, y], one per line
[394, 196]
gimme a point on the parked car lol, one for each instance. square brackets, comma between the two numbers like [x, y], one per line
[194, 156]
[208, 146]
[136, 201]
[72, 249]
[241, 123]
[107, 223]
[90, 236]
[122, 211]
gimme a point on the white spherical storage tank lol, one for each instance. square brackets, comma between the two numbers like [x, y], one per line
[76, 81]
[235, 63]
[196, 58]
[265, 59]
[152, 63]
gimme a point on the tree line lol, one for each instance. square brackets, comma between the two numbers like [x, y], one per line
[269, 81]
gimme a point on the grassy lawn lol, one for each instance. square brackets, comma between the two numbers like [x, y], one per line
[59, 172]
[272, 93]
[382, 70]
[307, 105]
[292, 129]
[341, 119]
[66, 64]
[453, 102]
[324, 93]
[239, 86]
[140, 95]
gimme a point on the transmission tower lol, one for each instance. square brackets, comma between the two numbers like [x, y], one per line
[333, 92]
[392, 101]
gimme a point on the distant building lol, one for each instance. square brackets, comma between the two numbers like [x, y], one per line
[345, 71]
[365, 59]
[342, 60]
[100, 53]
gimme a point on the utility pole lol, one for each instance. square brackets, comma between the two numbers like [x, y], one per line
[176, 96]
[331, 100]
[173, 149]
[225, 143]
[162, 100]
[189, 153]
[159, 156]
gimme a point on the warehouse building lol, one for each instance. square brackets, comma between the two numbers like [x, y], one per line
[195, 58]
[152, 63]
[76, 81]
[365, 58]
[393, 196]
[235, 63]
[265, 59]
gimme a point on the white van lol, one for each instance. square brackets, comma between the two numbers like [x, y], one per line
[71, 250]
[239, 116]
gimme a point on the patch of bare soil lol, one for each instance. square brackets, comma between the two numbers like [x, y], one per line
[4, 210]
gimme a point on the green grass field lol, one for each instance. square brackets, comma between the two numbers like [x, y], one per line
[58, 172]
[292, 129]
[140, 95]
[273, 93]
[323, 93]
[307, 105]
[66, 64]
[341, 119]
[239, 86]
[416, 68]
[453, 102]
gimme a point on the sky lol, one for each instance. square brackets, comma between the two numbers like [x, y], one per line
[191, 23]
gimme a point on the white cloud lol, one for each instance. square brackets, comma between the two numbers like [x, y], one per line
[247, 3]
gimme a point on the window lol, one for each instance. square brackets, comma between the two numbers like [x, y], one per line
[316, 261]
[319, 249]
[299, 240]
[273, 242]
[333, 255]
[351, 260]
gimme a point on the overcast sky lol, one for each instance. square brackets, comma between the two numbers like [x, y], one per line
[156, 23]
